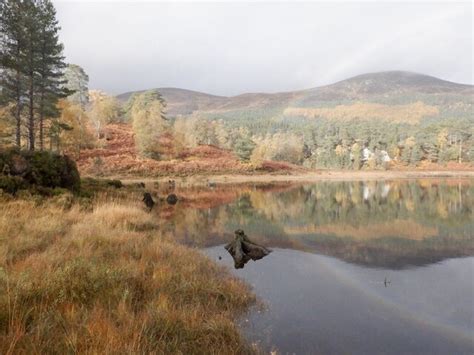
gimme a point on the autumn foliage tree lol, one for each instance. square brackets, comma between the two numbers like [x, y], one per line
[280, 146]
[103, 109]
[149, 122]
[70, 134]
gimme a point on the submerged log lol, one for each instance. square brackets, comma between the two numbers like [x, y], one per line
[242, 249]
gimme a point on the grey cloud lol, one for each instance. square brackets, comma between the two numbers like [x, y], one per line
[230, 48]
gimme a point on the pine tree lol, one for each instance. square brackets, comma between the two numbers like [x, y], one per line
[50, 66]
[244, 147]
[416, 155]
[13, 42]
[32, 63]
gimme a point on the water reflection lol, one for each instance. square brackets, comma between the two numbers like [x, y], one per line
[320, 305]
[389, 224]
[344, 275]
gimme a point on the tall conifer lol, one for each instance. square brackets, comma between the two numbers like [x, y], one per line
[32, 64]
[13, 42]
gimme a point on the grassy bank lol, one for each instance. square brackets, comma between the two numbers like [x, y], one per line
[99, 277]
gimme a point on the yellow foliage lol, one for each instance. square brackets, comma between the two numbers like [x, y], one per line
[280, 146]
[340, 150]
[410, 142]
[443, 138]
[148, 125]
[104, 109]
[406, 229]
[79, 136]
[6, 126]
[410, 113]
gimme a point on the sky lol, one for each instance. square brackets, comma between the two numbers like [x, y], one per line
[228, 48]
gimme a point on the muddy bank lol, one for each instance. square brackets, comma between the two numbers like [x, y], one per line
[314, 176]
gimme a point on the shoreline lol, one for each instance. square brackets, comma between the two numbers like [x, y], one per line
[312, 176]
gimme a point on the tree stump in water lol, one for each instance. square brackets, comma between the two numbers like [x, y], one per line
[242, 249]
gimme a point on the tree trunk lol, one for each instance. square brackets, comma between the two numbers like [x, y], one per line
[31, 118]
[18, 110]
[18, 119]
[242, 249]
[41, 121]
[41, 130]
[42, 90]
[18, 126]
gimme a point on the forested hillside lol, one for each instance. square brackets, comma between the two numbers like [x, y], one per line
[372, 120]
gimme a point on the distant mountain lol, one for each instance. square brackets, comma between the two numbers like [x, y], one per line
[385, 95]
[185, 102]
[398, 80]
[181, 101]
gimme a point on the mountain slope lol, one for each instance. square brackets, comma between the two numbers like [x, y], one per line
[398, 80]
[433, 96]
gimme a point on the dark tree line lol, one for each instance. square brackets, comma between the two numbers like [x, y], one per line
[32, 67]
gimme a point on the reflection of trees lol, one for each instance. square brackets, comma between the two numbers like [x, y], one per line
[358, 203]
[243, 208]
[378, 223]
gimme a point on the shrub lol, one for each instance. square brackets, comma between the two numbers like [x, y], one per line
[11, 184]
[41, 169]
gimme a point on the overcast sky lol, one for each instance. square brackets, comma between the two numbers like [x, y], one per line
[228, 48]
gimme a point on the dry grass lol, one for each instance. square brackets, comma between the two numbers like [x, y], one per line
[75, 280]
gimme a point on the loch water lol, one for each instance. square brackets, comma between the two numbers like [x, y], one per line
[360, 267]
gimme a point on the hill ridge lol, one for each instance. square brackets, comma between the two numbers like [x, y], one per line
[387, 87]
[358, 76]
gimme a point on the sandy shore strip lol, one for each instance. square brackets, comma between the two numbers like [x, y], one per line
[311, 176]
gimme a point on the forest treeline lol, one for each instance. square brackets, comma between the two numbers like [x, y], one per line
[47, 104]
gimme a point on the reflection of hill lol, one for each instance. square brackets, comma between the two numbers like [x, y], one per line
[388, 252]
[391, 252]
[390, 224]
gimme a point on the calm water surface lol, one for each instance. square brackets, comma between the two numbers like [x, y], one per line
[382, 267]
